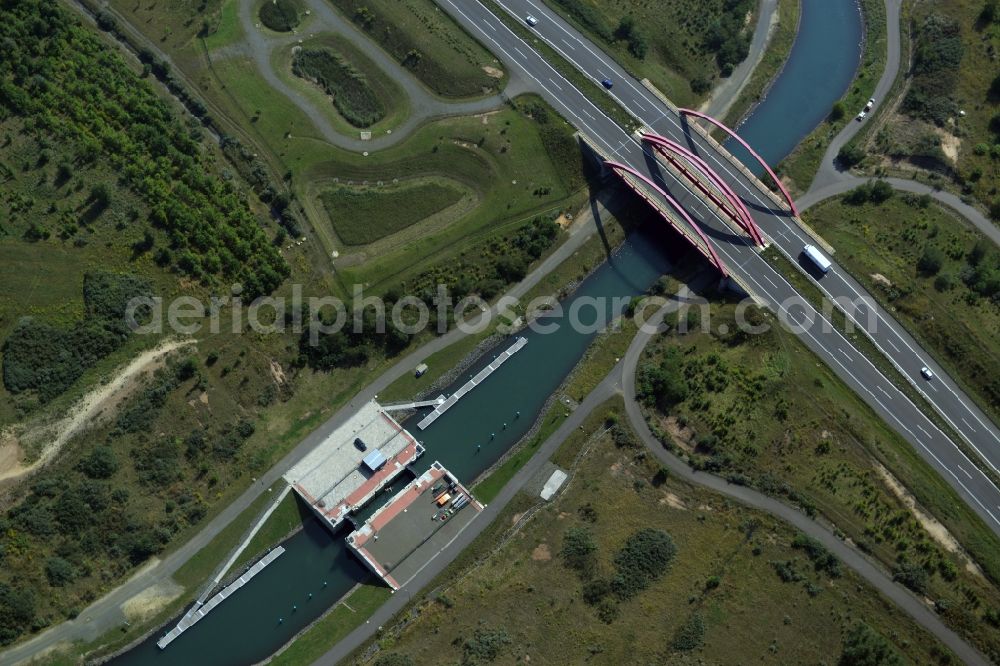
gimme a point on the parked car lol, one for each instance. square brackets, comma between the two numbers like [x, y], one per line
[531, 20]
[861, 116]
[607, 83]
[926, 373]
[870, 104]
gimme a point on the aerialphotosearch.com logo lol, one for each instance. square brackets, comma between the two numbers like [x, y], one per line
[329, 315]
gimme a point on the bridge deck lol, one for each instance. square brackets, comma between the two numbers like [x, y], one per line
[194, 615]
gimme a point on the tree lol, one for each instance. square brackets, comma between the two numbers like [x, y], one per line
[59, 571]
[579, 549]
[930, 261]
[837, 112]
[100, 464]
[850, 155]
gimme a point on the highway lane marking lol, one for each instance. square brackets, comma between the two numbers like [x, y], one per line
[862, 387]
[842, 351]
[569, 112]
[964, 472]
[490, 26]
[588, 114]
[893, 344]
[968, 424]
[520, 53]
[717, 158]
[748, 187]
[600, 58]
[890, 397]
[555, 84]
[770, 281]
[922, 430]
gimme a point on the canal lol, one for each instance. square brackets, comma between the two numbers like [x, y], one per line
[820, 67]
[317, 568]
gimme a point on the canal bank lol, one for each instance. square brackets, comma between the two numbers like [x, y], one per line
[473, 436]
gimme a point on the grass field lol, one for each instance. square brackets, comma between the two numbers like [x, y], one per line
[947, 315]
[515, 161]
[682, 47]
[523, 602]
[762, 411]
[427, 42]
[799, 168]
[364, 215]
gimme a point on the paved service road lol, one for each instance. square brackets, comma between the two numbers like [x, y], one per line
[621, 381]
[744, 261]
[105, 613]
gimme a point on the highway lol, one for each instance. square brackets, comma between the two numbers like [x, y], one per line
[744, 261]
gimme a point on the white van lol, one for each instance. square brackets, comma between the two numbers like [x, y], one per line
[817, 258]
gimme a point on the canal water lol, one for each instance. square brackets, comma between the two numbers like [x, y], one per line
[471, 437]
[820, 67]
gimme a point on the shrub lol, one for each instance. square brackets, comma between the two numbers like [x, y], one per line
[394, 659]
[837, 112]
[930, 261]
[912, 575]
[690, 635]
[863, 646]
[17, 612]
[354, 98]
[579, 549]
[485, 645]
[100, 464]
[937, 56]
[645, 557]
[59, 571]
[280, 15]
[850, 155]
[47, 359]
[822, 559]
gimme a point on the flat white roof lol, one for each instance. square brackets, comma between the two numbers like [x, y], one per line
[331, 473]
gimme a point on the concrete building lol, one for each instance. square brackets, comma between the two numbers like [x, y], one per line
[354, 463]
[399, 539]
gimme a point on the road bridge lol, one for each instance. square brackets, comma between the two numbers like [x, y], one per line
[779, 227]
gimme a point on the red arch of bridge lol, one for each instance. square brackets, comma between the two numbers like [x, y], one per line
[664, 145]
[777, 181]
[617, 166]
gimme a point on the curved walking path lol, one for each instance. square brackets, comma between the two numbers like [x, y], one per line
[832, 180]
[260, 45]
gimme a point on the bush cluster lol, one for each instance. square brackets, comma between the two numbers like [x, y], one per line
[645, 557]
[939, 52]
[354, 98]
[47, 359]
[280, 15]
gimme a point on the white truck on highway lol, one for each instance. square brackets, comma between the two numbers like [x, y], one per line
[817, 258]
